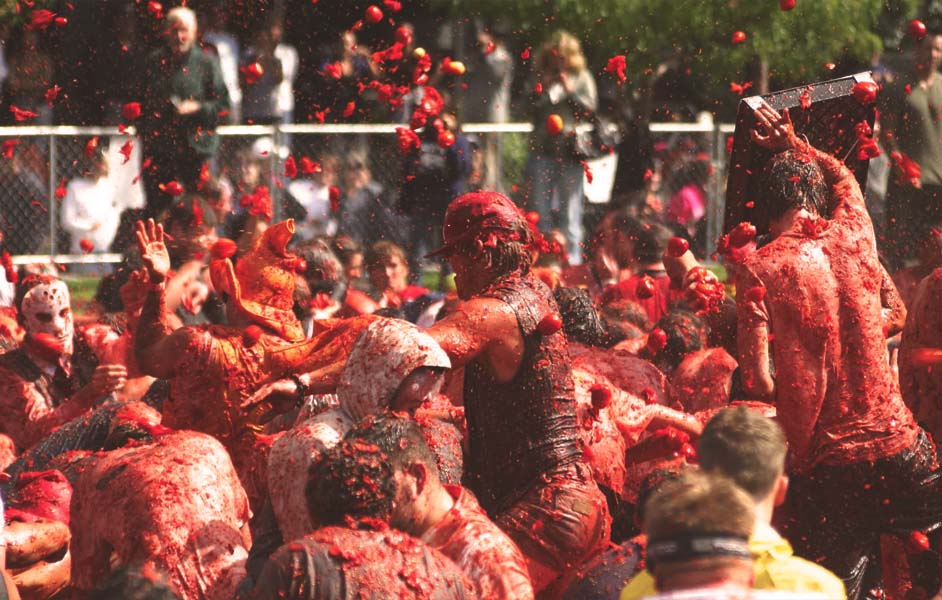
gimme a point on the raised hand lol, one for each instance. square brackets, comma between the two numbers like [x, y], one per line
[778, 133]
[150, 243]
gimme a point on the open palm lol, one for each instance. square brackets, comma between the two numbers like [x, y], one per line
[150, 243]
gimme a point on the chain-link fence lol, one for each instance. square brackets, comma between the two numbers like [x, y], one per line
[51, 176]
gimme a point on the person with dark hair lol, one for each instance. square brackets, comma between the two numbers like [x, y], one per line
[324, 280]
[524, 462]
[385, 470]
[365, 560]
[53, 376]
[650, 285]
[350, 254]
[749, 448]
[860, 464]
[387, 267]
[686, 333]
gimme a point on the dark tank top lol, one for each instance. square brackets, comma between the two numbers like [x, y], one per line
[524, 429]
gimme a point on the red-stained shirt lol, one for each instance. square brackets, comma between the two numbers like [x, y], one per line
[175, 503]
[29, 407]
[656, 305]
[488, 558]
[835, 394]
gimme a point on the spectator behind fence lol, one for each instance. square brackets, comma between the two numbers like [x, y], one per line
[555, 175]
[31, 70]
[490, 73]
[313, 195]
[270, 97]
[216, 34]
[911, 126]
[183, 97]
[366, 211]
[388, 270]
[433, 176]
[90, 209]
[253, 204]
[346, 66]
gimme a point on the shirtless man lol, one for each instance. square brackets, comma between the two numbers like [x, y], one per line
[860, 464]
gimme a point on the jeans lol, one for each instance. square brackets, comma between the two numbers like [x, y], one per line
[556, 194]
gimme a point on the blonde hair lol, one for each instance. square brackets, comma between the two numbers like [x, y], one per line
[565, 47]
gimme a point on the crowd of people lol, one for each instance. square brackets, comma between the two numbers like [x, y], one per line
[255, 77]
[262, 408]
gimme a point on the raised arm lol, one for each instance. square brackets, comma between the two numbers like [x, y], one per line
[775, 132]
[157, 346]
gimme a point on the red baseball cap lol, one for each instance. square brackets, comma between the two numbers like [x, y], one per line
[472, 213]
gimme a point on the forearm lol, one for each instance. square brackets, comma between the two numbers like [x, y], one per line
[925, 358]
[894, 310]
[28, 543]
[838, 178]
[665, 416]
[36, 429]
[152, 326]
[44, 579]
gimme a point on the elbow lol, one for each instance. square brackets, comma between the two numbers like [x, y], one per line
[759, 386]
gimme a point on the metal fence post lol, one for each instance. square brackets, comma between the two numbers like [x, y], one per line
[274, 159]
[52, 196]
[717, 206]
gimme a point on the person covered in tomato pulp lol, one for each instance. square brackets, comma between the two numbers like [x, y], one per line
[53, 376]
[411, 497]
[524, 462]
[811, 302]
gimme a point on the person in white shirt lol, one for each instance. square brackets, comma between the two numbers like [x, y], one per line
[91, 210]
[215, 20]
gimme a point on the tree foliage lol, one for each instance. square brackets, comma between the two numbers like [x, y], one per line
[795, 45]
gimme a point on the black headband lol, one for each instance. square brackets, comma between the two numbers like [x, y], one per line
[696, 546]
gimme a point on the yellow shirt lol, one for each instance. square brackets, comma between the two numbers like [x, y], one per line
[776, 568]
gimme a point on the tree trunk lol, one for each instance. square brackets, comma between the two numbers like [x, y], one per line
[763, 76]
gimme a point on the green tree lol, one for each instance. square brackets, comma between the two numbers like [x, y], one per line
[786, 48]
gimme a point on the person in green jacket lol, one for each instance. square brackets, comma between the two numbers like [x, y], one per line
[749, 448]
[184, 97]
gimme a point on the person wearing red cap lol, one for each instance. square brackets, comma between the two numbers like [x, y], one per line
[524, 462]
